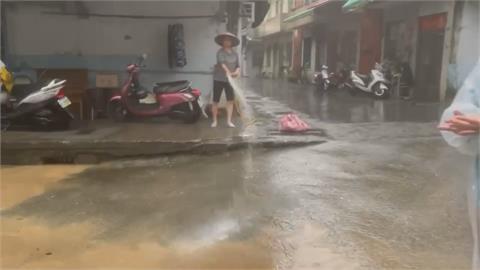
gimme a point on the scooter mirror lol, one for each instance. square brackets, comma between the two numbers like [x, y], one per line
[141, 59]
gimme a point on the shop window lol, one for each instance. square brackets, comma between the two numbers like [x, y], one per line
[348, 48]
[398, 41]
[257, 58]
[268, 57]
[298, 4]
[307, 52]
[289, 53]
[321, 52]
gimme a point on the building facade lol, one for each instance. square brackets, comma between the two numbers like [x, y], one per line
[438, 39]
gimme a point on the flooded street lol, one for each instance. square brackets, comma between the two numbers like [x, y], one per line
[342, 205]
[383, 193]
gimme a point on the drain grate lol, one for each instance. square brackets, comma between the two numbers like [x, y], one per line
[85, 131]
[58, 160]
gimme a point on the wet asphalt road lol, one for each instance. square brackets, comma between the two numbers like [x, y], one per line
[356, 203]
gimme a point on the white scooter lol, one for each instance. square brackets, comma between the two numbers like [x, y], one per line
[44, 108]
[322, 79]
[374, 83]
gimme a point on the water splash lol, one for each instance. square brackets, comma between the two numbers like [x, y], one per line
[245, 110]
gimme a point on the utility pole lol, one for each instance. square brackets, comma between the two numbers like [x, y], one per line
[3, 29]
[447, 50]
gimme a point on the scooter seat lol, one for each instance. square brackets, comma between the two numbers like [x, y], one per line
[172, 87]
[363, 77]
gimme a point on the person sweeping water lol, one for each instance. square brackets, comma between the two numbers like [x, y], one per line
[227, 66]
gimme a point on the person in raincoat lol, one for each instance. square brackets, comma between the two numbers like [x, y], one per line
[460, 126]
[6, 82]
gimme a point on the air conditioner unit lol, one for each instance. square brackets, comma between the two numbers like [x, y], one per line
[248, 10]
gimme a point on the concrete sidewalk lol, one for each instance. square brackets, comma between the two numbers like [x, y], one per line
[101, 140]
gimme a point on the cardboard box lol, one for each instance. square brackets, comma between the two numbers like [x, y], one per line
[106, 80]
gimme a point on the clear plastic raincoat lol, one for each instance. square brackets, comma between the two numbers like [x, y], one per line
[467, 101]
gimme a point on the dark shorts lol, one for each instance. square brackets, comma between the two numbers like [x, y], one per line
[218, 87]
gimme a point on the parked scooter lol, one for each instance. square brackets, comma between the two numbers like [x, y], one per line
[340, 78]
[45, 108]
[323, 79]
[375, 83]
[402, 80]
[176, 100]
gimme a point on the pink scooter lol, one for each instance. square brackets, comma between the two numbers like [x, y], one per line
[176, 100]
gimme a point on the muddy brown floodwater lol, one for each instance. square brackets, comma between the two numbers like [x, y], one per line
[341, 205]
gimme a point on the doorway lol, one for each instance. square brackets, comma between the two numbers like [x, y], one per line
[371, 25]
[332, 49]
[348, 49]
[431, 37]
[320, 54]
[276, 62]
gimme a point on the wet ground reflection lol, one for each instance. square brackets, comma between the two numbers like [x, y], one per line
[340, 106]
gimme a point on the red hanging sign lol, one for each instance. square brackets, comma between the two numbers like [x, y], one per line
[436, 22]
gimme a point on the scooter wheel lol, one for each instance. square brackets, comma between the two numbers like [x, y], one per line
[116, 111]
[379, 92]
[193, 114]
[62, 122]
[51, 119]
[188, 113]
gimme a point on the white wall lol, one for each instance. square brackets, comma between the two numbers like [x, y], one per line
[39, 40]
[467, 43]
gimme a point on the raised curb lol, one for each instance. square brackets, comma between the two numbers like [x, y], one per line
[66, 152]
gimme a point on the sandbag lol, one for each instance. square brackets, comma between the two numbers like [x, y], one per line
[292, 123]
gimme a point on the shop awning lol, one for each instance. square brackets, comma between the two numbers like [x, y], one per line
[299, 14]
[320, 3]
[353, 5]
[309, 9]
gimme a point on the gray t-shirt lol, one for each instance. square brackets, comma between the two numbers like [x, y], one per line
[229, 59]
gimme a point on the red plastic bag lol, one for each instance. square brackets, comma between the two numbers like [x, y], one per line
[292, 123]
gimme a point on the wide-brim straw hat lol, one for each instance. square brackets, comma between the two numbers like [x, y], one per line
[219, 39]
